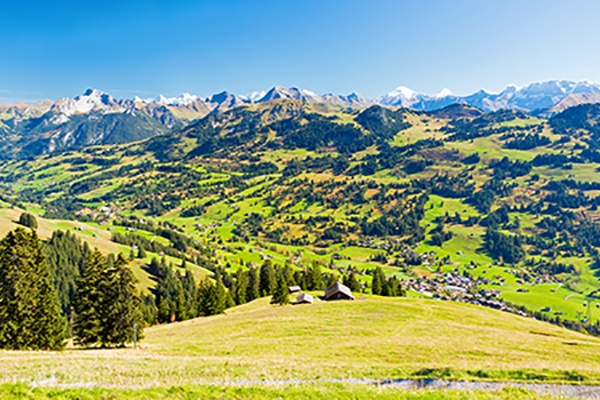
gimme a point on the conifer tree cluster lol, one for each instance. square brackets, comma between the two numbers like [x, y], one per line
[44, 286]
[382, 286]
[107, 307]
[30, 314]
[177, 297]
[66, 255]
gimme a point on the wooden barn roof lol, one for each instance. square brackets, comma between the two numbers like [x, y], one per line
[338, 288]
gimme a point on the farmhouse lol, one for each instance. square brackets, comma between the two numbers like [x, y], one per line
[305, 298]
[338, 291]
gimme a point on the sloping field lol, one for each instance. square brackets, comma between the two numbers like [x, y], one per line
[371, 337]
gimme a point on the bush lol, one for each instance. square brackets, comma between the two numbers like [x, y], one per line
[28, 220]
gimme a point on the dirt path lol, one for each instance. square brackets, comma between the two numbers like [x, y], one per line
[560, 390]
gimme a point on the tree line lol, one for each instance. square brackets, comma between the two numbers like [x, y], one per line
[59, 289]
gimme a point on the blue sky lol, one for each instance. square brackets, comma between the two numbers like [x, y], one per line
[59, 48]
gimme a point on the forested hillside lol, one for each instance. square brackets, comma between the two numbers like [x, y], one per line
[504, 199]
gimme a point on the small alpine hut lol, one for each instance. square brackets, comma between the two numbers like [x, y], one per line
[294, 289]
[338, 291]
[305, 298]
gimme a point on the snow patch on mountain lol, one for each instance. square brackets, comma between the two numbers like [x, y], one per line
[253, 97]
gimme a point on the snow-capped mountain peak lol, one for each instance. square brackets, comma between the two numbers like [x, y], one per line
[404, 92]
[444, 93]
[183, 100]
[530, 97]
[138, 99]
[90, 100]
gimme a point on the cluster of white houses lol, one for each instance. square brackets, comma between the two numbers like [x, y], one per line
[337, 291]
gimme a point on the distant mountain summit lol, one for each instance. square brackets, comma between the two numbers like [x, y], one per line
[535, 96]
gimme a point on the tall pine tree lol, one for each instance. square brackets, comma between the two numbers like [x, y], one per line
[90, 300]
[190, 294]
[30, 314]
[253, 291]
[351, 281]
[268, 280]
[378, 281]
[280, 294]
[121, 306]
[240, 290]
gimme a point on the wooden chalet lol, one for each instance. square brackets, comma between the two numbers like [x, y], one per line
[338, 291]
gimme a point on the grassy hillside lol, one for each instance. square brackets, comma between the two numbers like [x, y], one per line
[371, 337]
[97, 237]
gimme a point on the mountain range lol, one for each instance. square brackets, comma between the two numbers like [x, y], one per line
[95, 117]
[536, 98]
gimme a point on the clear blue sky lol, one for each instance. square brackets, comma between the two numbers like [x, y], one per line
[52, 49]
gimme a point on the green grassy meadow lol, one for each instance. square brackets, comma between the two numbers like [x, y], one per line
[372, 337]
[301, 391]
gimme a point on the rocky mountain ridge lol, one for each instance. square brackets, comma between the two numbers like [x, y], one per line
[96, 117]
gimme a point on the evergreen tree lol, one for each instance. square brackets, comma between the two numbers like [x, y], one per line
[229, 302]
[30, 315]
[89, 302]
[378, 281]
[330, 279]
[188, 284]
[299, 278]
[121, 305]
[170, 297]
[66, 254]
[387, 289]
[313, 278]
[149, 309]
[141, 252]
[240, 291]
[268, 280]
[280, 295]
[220, 296]
[253, 291]
[288, 275]
[212, 297]
[204, 297]
[28, 220]
[351, 281]
[155, 268]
